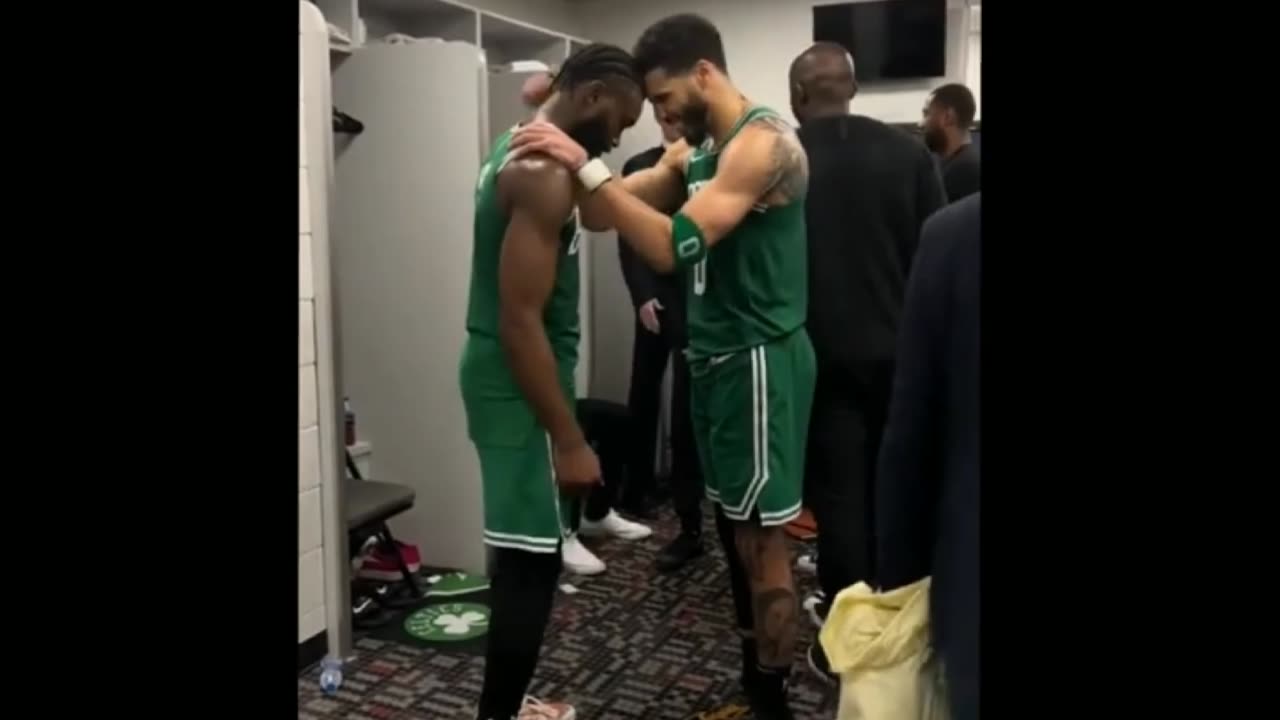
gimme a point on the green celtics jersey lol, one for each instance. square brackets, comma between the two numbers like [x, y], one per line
[753, 286]
[484, 368]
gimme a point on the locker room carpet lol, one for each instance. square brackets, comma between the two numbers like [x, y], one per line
[632, 643]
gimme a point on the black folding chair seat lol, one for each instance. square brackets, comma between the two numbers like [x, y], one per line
[370, 502]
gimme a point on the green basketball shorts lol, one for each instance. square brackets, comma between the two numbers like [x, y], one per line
[751, 421]
[522, 503]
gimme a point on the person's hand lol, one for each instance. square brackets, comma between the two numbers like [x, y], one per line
[545, 138]
[577, 468]
[676, 156]
[649, 316]
[536, 90]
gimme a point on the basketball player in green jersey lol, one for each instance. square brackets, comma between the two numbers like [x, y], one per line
[740, 240]
[518, 365]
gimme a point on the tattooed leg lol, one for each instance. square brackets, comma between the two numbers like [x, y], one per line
[767, 561]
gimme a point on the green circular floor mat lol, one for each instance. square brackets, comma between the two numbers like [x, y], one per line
[448, 622]
[452, 617]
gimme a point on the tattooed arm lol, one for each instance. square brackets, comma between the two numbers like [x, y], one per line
[765, 163]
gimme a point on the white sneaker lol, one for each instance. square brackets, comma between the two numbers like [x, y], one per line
[615, 525]
[579, 559]
[816, 606]
[807, 563]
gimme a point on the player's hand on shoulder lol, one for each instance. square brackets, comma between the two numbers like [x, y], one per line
[676, 156]
[549, 140]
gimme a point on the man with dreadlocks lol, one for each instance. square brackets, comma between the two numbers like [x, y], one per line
[517, 366]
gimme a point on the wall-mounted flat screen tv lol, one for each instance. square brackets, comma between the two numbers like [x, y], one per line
[889, 40]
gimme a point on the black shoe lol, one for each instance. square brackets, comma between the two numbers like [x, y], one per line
[679, 552]
[764, 707]
[820, 666]
[367, 614]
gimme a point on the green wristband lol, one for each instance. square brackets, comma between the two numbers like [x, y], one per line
[687, 244]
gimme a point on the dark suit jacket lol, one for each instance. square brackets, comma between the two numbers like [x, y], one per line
[643, 282]
[871, 187]
[927, 487]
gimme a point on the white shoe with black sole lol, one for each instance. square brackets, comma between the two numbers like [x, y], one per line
[816, 606]
[614, 525]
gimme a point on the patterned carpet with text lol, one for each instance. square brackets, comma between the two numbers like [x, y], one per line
[631, 643]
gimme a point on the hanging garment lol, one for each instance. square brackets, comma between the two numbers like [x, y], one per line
[344, 123]
[878, 643]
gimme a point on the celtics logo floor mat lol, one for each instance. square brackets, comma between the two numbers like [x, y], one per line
[448, 622]
[453, 617]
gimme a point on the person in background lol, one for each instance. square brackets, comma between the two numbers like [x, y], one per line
[606, 427]
[871, 188]
[948, 115]
[660, 333]
[929, 478]
[517, 367]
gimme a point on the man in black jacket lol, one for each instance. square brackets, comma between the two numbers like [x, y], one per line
[871, 187]
[930, 473]
[660, 333]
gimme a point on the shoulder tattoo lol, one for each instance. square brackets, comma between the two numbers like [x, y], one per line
[789, 165]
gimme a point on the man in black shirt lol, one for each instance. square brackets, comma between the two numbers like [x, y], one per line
[660, 333]
[947, 118]
[871, 187]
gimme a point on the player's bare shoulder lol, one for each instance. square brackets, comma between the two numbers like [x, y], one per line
[788, 162]
[533, 170]
[536, 182]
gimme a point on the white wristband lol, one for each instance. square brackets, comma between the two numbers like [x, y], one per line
[594, 174]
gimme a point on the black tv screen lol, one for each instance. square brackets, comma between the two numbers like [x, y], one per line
[889, 40]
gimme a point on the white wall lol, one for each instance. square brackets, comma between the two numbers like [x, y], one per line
[973, 61]
[762, 37]
[311, 200]
[558, 15]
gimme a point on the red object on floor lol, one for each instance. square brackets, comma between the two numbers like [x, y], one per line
[381, 565]
[803, 527]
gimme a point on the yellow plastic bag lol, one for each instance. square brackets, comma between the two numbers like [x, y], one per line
[878, 643]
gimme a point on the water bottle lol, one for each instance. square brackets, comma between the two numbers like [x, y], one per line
[330, 675]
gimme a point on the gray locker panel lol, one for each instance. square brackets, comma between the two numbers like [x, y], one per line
[402, 254]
